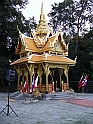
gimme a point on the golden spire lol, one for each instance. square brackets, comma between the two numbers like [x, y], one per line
[42, 15]
[42, 27]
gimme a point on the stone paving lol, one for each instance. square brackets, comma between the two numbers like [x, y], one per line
[46, 111]
[80, 101]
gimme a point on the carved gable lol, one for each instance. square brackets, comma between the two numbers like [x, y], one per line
[58, 45]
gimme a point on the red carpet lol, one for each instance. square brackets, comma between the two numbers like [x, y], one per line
[82, 102]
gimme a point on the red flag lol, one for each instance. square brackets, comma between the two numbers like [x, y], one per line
[85, 80]
[80, 82]
[25, 85]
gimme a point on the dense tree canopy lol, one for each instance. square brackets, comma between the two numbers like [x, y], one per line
[11, 17]
[73, 16]
[84, 57]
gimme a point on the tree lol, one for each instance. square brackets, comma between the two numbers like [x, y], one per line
[83, 11]
[62, 13]
[73, 16]
[89, 37]
[11, 17]
[84, 57]
[29, 25]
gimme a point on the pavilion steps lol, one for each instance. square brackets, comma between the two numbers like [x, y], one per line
[19, 96]
[15, 94]
[54, 96]
[62, 95]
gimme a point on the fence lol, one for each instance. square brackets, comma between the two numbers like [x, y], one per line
[74, 86]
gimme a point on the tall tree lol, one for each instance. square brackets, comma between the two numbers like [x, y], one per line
[10, 17]
[62, 13]
[73, 15]
[84, 57]
[83, 11]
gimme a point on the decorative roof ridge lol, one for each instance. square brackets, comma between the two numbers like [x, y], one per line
[23, 41]
[35, 55]
[21, 34]
[70, 59]
[29, 57]
[55, 55]
[18, 60]
[52, 36]
[46, 55]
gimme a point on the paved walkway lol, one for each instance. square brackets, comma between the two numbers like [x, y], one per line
[47, 111]
[80, 101]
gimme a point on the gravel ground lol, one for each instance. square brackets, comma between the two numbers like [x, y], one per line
[46, 111]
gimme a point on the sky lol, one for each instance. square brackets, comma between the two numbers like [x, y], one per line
[34, 8]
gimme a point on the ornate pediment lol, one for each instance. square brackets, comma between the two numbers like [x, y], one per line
[56, 47]
[40, 40]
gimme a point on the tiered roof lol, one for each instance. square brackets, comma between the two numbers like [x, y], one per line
[42, 46]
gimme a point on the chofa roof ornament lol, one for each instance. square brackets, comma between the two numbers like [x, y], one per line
[42, 27]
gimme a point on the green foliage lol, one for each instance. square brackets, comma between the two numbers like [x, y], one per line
[10, 17]
[4, 64]
[62, 13]
[72, 15]
[29, 25]
[84, 57]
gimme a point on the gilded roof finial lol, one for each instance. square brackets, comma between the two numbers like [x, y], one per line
[42, 27]
[42, 15]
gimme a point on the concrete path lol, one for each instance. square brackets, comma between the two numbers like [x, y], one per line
[46, 111]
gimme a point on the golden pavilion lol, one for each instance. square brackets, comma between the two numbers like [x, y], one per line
[44, 53]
